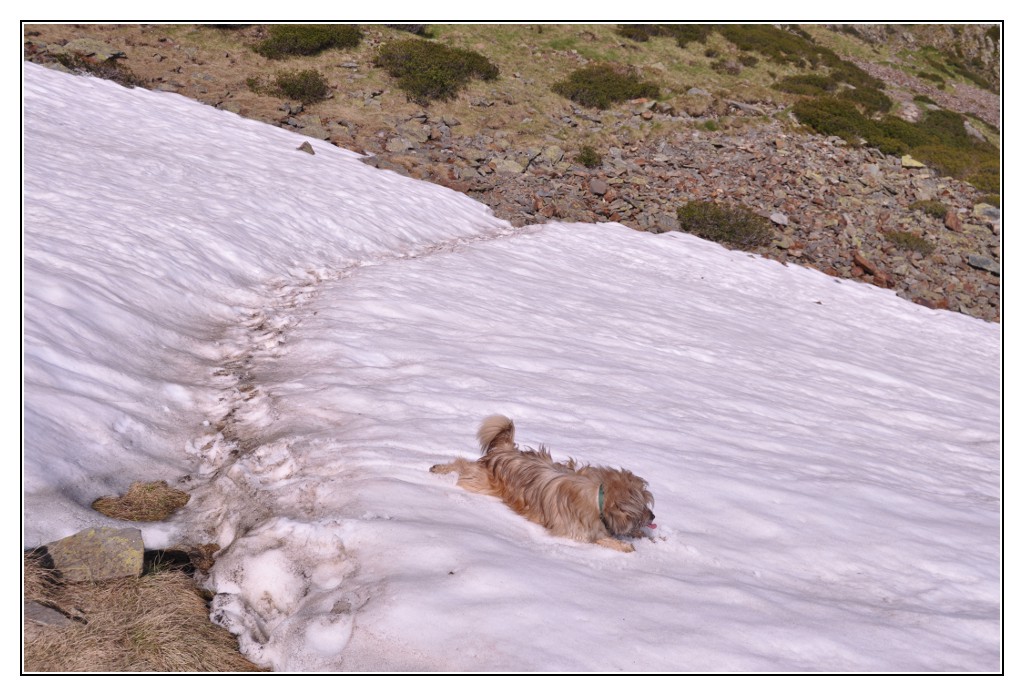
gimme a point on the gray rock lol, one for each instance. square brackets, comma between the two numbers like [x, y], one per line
[98, 553]
[989, 212]
[397, 145]
[983, 263]
[973, 132]
[45, 616]
[306, 147]
[315, 131]
[598, 187]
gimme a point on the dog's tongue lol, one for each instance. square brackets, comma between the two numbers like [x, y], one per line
[652, 525]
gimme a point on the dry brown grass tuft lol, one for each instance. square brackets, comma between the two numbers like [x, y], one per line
[154, 623]
[144, 502]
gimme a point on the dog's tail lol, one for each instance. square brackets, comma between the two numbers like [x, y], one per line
[496, 431]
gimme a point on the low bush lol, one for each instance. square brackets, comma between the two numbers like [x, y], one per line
[600, 86]
[733, 226]
[307, 39]
[939, 139]
[306, 86]
[874, 101]
[688, 33]
[588, 157]
[932, 208]
[910, 242]
[639, 32]
[932, 77]
[682, 33]
[807, 85]
[428, 71]
[778, 45]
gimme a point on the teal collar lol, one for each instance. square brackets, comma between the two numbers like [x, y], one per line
[600, 500]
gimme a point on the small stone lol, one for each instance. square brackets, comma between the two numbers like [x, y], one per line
[779, 219]
[909, 162]
[306, 147]
[598, 187]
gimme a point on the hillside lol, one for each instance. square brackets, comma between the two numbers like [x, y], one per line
[719, 130]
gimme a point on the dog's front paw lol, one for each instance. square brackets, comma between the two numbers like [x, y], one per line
[612, 543]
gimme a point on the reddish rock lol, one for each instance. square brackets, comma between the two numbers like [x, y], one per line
[953, 221]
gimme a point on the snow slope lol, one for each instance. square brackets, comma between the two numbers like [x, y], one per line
[297, 339]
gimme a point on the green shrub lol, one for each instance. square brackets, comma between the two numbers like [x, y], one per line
[932, 208]
[427, 71]
[687, 33]
[832, 116]
[778, 45]
[602, 85]
[807, 85]
[307, 86]
[924, 99]
[873, 100]
[588, 157]
[639, 32]
[733, 226]
[307, 39]
[932, 77]
[939, 139]
[710, 125]
[910, 242]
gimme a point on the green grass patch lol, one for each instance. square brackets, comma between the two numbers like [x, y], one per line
[286, 40]
[601, 86]
[428, 71]
[737, 227]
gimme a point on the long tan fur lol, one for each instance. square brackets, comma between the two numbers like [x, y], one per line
[560, 496]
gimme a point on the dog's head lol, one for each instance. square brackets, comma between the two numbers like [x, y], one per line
[626, 503]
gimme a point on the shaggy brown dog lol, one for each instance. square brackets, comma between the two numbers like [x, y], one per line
[590, 503]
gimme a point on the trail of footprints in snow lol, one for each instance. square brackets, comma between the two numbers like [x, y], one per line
[232, 459]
